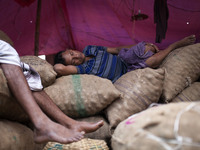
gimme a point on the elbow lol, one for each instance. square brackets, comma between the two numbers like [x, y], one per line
[58, 69]
[152, 63]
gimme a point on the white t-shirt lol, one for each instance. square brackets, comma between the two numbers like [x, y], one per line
[8, 55]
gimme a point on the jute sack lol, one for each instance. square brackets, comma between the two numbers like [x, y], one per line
[5, 37]
[191, 93]
[139, 89]
[47, 74]
[84, 144]
[102, 133]
[15, 136]
[82, 95]
[9, 108]
[182, 68]
[168, 127]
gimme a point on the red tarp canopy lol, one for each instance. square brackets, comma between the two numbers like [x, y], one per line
[77, 23]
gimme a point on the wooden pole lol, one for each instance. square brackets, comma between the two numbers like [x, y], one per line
[37, 28]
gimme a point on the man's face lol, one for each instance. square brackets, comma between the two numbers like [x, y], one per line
[73, 57]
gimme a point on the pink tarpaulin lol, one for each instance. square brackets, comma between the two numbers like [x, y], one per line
[77, 23]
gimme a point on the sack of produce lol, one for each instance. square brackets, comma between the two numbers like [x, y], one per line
[84, 144]
[191, 93]
[47, 74]
[139, 89]
[15, 136]
[182, 68]
[82, 95]
[165, 127]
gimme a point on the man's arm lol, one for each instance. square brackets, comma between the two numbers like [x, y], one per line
[62, 70]
[116, 50]
[155, 60]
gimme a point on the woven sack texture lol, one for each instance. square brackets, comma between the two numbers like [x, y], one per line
[47, 74]
[84, 144]
[166, 127]
[82, 95]
[139, 89]
[9, 108]
[182, 68]
[191, 93]
[15, 136]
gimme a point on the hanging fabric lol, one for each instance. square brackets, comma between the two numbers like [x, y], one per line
[161, 15]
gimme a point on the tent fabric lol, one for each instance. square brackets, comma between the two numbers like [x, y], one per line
[78, 23]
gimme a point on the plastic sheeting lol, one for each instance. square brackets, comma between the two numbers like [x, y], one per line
[77, 23]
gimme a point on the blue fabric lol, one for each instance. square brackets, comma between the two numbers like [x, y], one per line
[103, 64]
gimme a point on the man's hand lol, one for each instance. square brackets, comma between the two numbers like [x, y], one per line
[151, 47]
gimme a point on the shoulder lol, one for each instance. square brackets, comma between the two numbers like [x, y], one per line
[94, 48]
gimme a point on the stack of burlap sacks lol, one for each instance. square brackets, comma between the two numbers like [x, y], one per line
[172, 122]
[91, 98]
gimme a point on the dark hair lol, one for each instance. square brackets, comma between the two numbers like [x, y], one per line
[58, 59]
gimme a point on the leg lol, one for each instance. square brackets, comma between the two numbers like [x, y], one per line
[55, 113]
[155, 60]
[45, 129]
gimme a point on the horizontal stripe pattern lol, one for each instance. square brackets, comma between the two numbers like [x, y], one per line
[103, 64]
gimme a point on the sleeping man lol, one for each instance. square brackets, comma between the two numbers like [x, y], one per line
[111, 63]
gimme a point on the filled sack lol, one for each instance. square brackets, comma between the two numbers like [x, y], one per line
[165, 127]
[45, 70]
[182, 68]
[82, 95]
[84, 144]
[15, 136]
[139, 89]
[191, 93]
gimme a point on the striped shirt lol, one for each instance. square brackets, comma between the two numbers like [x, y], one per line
[103, 64]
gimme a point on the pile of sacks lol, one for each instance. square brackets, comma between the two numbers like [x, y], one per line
[172, 122]
[91, 98]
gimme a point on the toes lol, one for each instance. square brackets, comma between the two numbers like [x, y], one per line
[82, 132]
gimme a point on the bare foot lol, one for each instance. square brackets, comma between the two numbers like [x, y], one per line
[185, 41]
[56, 133]
[82, 126]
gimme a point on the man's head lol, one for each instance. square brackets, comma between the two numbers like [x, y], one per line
[151, 47]
[69, 57]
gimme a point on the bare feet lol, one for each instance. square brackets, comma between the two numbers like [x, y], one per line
[81, 126]
[51, 131]
[185, 41]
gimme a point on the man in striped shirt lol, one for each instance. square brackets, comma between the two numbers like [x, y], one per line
[111, 63]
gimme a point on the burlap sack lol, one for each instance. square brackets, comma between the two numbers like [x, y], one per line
[82, 95]
[5, 37]
[84, 144]
[15, 136]
[182, 68]
[191, 93]
[168, 127]
[139, 89]
[103, 133]
[47, 74]
[9, 108]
